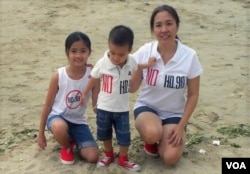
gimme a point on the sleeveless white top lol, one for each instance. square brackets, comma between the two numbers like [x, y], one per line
[67, 101]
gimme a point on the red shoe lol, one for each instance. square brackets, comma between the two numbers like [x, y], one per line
[106, 160]
[131, 166]
[67, 154]
[151, 149]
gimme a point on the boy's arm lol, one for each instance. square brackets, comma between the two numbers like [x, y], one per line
[151, 62]
[137, 75]
[136, 80]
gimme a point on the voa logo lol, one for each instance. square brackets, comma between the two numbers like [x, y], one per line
[236, 165]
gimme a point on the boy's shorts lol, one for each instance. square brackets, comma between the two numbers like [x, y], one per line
[120, 120]
[171, 120]
[79, 133]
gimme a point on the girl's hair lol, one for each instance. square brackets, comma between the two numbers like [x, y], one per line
[166, 8]
[121, 35]
[77, 36]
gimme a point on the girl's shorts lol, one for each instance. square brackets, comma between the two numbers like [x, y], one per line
[79, 133]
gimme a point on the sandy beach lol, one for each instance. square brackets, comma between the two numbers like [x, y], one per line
[32, 48]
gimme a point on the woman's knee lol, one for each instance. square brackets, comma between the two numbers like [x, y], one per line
[171, 156]
[149, 128]
[152, 135]
[171, 159]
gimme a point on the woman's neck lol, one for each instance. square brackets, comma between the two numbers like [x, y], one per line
[167, 51]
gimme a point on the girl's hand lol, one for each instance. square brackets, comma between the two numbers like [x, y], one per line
[41, 141]
[175, 136]
[94, 109]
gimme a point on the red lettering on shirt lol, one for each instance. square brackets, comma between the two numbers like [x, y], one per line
[107, 82]
[152, 76]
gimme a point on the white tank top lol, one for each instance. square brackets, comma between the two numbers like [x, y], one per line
[67, 99]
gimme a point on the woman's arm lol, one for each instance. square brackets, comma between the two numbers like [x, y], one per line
[192, 99]
[176, 135]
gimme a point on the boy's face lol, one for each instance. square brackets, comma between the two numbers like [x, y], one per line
[118, 54]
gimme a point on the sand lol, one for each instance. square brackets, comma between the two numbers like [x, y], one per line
[32, 48]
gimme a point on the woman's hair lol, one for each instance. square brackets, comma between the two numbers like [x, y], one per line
[121, 35]
[161, 8]
[77, 36]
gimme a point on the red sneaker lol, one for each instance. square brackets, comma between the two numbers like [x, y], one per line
[106, 160]
[67, 155]
[131, 166]
[151, 149]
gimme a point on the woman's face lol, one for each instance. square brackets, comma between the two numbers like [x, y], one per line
[165, 28]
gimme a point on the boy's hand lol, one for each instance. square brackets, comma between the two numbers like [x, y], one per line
[151, 61]
[90, 65]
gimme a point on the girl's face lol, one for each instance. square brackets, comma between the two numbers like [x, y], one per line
[118, 54]
[165, 27]
[78, 54]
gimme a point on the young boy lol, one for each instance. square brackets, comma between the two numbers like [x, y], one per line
[114, 71]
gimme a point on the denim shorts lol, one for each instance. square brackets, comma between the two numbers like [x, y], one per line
[79, 133]
[119, 120]
[171, 120]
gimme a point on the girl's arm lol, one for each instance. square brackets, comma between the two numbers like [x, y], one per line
[91, 83]
[51, 94]
[95, 92]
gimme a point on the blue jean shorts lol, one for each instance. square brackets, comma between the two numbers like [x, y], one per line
[79, 133]
[171, 120]
[119, 120]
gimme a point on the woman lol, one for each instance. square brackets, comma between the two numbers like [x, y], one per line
[162, 109]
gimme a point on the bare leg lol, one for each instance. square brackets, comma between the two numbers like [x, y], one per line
[149, 126]
[123, 150]
[170, 154]
[108, 147]
[60, 132]
[90, 154]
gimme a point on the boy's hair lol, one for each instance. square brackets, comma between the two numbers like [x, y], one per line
[121, 35]
[77, 36]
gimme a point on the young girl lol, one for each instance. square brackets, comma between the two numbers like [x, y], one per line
[62, 114]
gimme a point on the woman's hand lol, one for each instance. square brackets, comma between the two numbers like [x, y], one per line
[175, 136]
